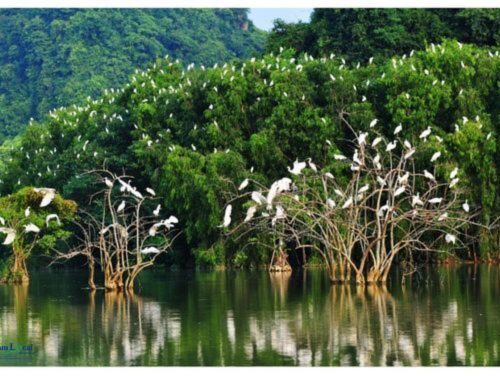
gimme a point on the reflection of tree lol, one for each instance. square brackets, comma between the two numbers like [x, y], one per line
[250, 319]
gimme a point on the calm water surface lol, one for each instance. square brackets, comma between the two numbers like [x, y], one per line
[447, 317]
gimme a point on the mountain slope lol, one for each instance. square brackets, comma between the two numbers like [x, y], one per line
[53, 57]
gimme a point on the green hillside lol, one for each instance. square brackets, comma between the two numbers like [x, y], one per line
[55, 57]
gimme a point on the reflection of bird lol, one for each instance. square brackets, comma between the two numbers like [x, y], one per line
[11, 235]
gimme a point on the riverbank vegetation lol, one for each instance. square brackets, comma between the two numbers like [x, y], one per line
[196, 133]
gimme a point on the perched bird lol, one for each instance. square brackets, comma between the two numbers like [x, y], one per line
[454, 173]
[348, 203]
[398, 129]
[364, 188]
[50, 217]
[108, 182]
[31, 228]
[151, 191]
[435, 156]
[466, 207]
[415, 200]
[121, 207]
[149, 250]
[425, 133]
[436, 200]
[27, 212]
[258, 197]
[312, 166]
[11, 235]
[227, 216]
[243, 184]
[373, 123]
[331, 204]
[297, 167]
[376, 141]
[443, 216]
[399, 191]
[339, 157]
[48, 195]
[250, 213]
[429, 176]
[391, 146]
[450, 238]
[381, 181]
[156, 212]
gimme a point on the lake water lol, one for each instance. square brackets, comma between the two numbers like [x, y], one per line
[450, 316]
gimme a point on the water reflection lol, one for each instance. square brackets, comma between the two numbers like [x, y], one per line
[448, 317]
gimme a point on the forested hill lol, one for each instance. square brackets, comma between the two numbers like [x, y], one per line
[188, 131]
[54, 57]
[358, 34]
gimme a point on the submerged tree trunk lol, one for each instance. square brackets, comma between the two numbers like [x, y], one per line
[18, 272]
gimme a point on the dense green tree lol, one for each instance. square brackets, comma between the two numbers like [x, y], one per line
[191, 133]
[54, 57]
[359, 34]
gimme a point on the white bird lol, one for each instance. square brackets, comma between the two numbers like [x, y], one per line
[416, 201]
[339, 157]
[398, 129]
[121, 207]
[338, 192]
[297, 167]
[347, 203]
[227, 216]
[381, 181]
[435, 200]
[376, 141]
[31, 228]
[454, 182]
[373, 123]
[362, 138]
[425, 133]
[454, 173]
[258, 197]
[2, 221]
[156, 212]
[51, 217]
[383, 209]
[450, 238]
[407, 144]
[250, 213]
[435, 156]
[27, 212]
[48, 195]
[312, 165]
[329, 175]
[149, 250]
[466, 207]
[331, 204]
[243, 184]
[11, 235]
[402, 180]
[391, 146]
[280, 214]
[429, 176]
[443, 216]
[399, 191]
[151, 191]
[108, 182]
[364, 188]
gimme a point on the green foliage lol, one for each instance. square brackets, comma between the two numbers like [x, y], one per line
[54, 57]
[359, 34]
[192, 134]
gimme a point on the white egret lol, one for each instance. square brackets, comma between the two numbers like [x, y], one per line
[391, 146]
[27, 212]
[31, 228]
[121, 207]
[364, 188]
[425, 133]
[297, 167]
[450, 238]
[435, 156]
[339, 157]
[429, 176]
[415, 200]
[376, 141]
[149, 250]
[331, 204]
[435, 200]
[443, 216]
[11, 235]
[108, 182]
[362, 138]
[258, 197]
[50, 217]
[243, 184]
[312, 165]
[466, 207]
[454, 182]
[227, 216]
[373, 123]
[156, 212]
[381, 181]
[399, 191]
[454, 173]
[348, 203]
[250, 213]
[151, 191]
[398, 129]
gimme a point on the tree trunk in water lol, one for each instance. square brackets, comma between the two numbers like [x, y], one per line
[18, 273]
[92, 285]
